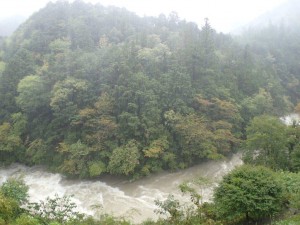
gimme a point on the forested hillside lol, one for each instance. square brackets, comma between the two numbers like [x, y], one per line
[87, 89]
[276, 36]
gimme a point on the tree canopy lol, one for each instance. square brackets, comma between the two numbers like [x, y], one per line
[249, 192]
[82, 86]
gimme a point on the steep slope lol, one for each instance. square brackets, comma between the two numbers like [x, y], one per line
[89, 90]
[275, 37]
[286, 14]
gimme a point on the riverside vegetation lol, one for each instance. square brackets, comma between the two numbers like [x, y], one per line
[89, 90]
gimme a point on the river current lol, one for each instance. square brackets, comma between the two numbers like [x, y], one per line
[122, 198]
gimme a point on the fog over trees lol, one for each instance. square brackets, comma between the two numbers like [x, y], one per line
[88, 90]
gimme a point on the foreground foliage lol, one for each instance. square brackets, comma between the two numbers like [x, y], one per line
[273, 144]
[249, 193]
[89, 90]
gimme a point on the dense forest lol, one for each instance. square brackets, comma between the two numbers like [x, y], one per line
[89, 90]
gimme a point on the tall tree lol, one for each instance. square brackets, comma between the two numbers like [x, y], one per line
[248, 193]
[266, 143]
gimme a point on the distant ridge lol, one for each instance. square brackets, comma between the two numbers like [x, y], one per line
[10, 24]
[286, 14]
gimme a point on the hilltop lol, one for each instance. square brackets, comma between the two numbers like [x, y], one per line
[89, 90]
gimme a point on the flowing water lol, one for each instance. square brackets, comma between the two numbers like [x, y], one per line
[290, 119]
[132, 200]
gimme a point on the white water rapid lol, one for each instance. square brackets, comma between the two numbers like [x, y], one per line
[132, 200]
[290, 119]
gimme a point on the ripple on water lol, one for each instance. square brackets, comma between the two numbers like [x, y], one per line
[133, 200]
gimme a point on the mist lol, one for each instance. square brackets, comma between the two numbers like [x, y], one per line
[225, 16]
[139, 109]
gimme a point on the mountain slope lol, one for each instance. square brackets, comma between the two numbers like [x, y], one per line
[89, 90]
[286, 14]
[275, 36]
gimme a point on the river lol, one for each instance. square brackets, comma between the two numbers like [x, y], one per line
[290, 119]
[122, 198]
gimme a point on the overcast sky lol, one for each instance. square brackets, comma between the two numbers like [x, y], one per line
[224, 15]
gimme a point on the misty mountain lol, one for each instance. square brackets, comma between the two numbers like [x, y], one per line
[88, 89]
[286, 14]
[275, 36]
[10, 24]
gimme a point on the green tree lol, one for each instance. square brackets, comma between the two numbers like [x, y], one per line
[137, 108]
[67, 98]
[68, 95]
[97, 123]
[266, 143]
[295, 158]
[261, 103]
[172, 208]
[19, 122]
[8, 208]
[15, 189]
[291, 184]
[13, 194]
[293, 143]
[75, 157]
[32, 94]
[124, 159]
[60, 209]
[248, 193]
[193, 137]
[207, 42]
[21, 64]
[36, 152]
[99, 131]
[10, 143]
[25, 219]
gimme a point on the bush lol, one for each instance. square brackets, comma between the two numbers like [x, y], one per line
[27, 220]
[15, 189]
[248, 193]
[60, 209]
[8, 208]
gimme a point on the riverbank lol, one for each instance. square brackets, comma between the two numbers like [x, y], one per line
[121, 198]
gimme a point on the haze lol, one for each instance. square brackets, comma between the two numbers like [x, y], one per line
[224, 16]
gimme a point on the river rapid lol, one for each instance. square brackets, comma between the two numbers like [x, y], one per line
[122, 198]
[291, 119]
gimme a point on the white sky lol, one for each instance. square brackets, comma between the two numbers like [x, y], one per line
[224, 15]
